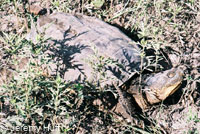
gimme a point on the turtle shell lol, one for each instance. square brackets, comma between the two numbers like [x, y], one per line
[87, 49]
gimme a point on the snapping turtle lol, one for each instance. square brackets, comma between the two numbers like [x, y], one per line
[86, 49]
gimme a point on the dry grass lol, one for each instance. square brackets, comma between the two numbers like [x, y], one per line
[33, 98]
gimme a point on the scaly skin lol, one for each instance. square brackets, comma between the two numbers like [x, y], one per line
[157, 87]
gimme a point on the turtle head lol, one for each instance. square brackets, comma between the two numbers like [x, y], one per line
[159, 86]
[163, 84]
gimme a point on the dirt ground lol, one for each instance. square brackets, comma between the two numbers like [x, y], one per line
[170, 27]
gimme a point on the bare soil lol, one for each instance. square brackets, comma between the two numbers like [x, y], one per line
[172, 27]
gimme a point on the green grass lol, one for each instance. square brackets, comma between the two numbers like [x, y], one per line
[33, 98]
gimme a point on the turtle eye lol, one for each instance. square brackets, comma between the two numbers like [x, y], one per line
[171, 74]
